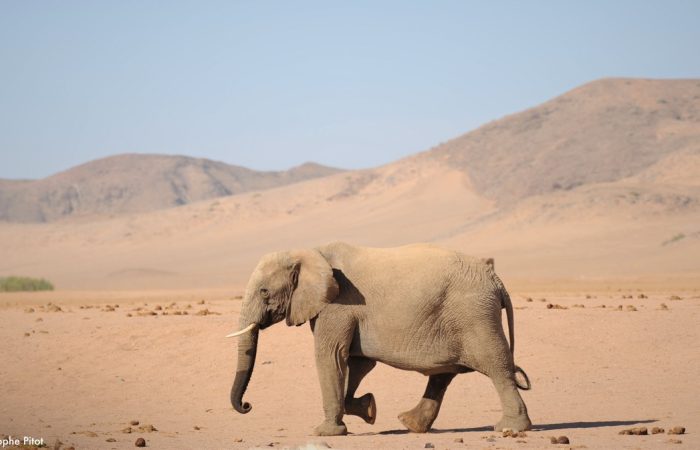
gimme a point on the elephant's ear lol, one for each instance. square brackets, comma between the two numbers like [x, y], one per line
[315, 286]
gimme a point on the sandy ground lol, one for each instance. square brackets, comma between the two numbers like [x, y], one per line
[82, 374]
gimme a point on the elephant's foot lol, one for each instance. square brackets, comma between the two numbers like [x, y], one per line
[363, 407]
[331, 429]
[420, 418]
[518, 423]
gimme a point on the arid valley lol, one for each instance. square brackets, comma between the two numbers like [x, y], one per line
[589, 204]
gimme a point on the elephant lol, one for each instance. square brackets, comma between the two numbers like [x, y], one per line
[417, 307]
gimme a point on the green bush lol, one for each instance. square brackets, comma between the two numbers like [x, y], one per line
[16, 284]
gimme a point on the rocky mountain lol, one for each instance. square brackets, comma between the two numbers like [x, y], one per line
[132, 183]
[603, 131]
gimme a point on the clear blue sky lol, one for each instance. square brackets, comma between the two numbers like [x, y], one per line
[269, 85]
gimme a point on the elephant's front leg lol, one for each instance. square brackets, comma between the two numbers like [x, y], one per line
[332, 335]
[421, 418]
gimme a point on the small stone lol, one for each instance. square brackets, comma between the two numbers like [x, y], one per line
[129, 315]
[529, 299]
[90, 434]
[127, 430]
[675, 297]
[562, 440]
[29, 310]
[140, 442]
[642, 296]
[631, 308]
[238, 440]
[459, 440]
[111, 440]
[27, 334]
[657, 430]
[663, 307]
[197, 428]
[507, 432]
[428, 445]
[674, 441]
[158, 308]
[39, 319]
[134, 422]
[553, 440]
[677, 430]
[201, 302]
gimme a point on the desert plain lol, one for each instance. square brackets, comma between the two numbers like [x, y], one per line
[589, 204]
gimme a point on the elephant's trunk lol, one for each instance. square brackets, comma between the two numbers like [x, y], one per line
[247, 348]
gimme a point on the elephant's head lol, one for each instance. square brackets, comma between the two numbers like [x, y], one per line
[292, 285]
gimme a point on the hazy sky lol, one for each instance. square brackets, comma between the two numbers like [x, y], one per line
[269, 85]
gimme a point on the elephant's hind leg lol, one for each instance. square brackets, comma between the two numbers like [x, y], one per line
[365, 406]
[421, 418]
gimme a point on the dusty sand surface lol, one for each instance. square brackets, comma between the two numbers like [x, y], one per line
[82, 374]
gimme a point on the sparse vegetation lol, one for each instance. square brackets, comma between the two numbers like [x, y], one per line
[16, 284]
[675, 238]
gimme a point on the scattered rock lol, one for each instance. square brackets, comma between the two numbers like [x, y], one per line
[201, 302]
[677, 430]
[631, 308]
[27, 334]
[238, 440]
[206, 312]
[553, 440]
[147, 428]
[555, 306]
[642, 296]
[140, 442]
[158, 308]
[53, 308]
[39, 319]
[543, 299]
[514, 434]
[108, 309]
[674, 441]
[29, 310]
[675, 297]
[636, 431]
[529, 299]
[578, 305]
[134, 422]
[111, 440]
[657, 430]
[197, 428]
[129, 315]
[619, 307]
[428, 445]
[127, 430]
[459, 440]
[663, 307]
[267, 362]
[562, 440]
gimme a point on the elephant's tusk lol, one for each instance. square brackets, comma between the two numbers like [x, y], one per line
[250, 327]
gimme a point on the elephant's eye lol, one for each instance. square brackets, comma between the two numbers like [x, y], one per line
[264, 293]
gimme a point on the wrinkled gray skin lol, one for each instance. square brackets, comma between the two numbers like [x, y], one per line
[418, 307]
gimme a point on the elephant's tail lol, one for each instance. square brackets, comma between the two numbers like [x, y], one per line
[508, 305]
[526, 386]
